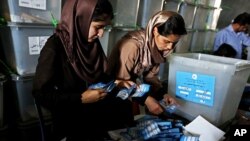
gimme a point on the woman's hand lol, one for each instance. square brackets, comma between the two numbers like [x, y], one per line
[91, 96]
[153, 106]
[169, 100]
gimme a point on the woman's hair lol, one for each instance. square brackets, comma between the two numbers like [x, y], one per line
[103, 10]
[174, 25]
[225, 50]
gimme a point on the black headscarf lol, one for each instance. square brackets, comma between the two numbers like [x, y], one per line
[88, 59]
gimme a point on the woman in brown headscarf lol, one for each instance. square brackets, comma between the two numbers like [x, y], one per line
[70, 61]
[140, 53]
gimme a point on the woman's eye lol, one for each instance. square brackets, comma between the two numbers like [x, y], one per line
[167, 42]
[100, 27]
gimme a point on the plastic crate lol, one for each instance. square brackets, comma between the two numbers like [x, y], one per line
[22, 44]
[187, 11]
[211, 3]
[203, 40]
[147, 9]
[201, 17]
[111, 37]
[183, 46]
[207, 85]
[171, 5]
[22, 91]
[30, 11]
[213, 18]
[125, 12]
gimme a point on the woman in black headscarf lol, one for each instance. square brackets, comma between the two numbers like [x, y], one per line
[70, 61]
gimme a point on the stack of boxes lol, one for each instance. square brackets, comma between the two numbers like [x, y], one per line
[28, 28]
[205, 25]
[125, 20]
[201, 18]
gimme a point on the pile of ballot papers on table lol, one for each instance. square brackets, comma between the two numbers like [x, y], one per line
[151, 128]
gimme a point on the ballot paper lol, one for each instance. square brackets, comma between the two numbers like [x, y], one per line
[108, 87]
[134, 91]
[206, 130]
[169, 108]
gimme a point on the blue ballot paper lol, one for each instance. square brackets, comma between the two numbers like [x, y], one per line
[107, 86]
[126, 92]
[141, 90]
[169, 108]
[134, 91]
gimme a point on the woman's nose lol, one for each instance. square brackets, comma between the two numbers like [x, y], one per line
[100, 32]
[170, 45]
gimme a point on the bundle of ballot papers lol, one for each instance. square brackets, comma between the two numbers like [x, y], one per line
[134, 91]
[108, 87]
[151, 128]
[124, 93]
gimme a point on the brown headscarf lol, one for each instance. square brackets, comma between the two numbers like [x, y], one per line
[87, 59]
[148, 49]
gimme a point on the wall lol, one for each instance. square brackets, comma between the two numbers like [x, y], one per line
[231, 8]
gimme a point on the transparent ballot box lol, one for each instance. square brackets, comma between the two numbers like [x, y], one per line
[207, 85]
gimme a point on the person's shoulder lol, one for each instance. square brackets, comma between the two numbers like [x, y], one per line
[53, 42]
[54, 39]
[224, 31]
[129, 45]
[52, 46]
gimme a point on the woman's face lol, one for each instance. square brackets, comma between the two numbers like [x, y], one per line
[165, 43]
[96, 29]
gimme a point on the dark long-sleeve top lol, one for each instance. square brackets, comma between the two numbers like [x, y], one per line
[55, 81]
[58, 88]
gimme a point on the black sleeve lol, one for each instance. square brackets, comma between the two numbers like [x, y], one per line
[159, 94]
[46, 85]
[160, 91]
[141, 100]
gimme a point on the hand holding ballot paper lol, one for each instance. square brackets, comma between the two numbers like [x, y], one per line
[97, 91]
[108, 87]
[137, 92]
[169, 108]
